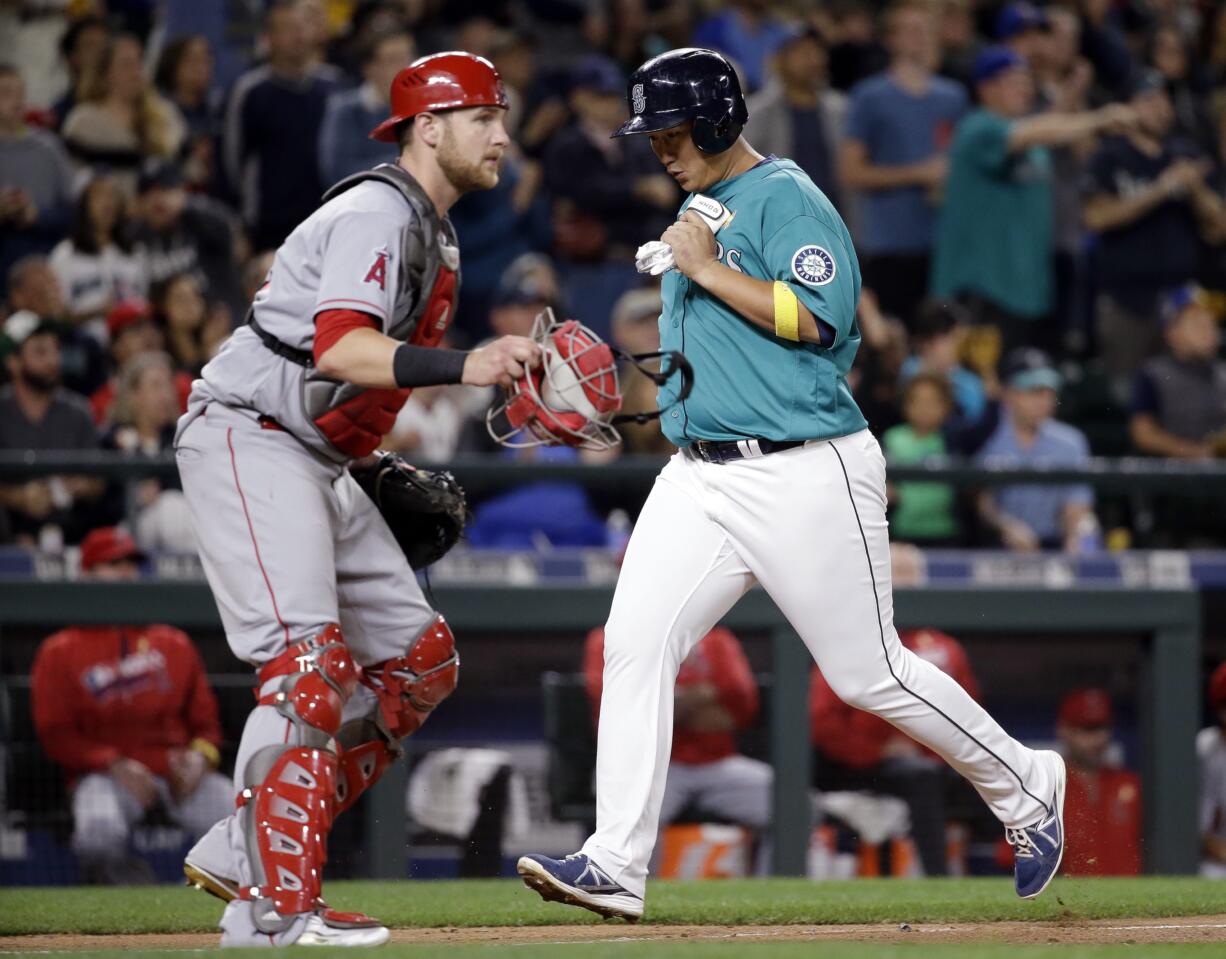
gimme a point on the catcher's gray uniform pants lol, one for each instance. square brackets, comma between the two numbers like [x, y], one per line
[290, 543]
[104, 812]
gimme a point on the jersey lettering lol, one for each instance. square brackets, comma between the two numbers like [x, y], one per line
[378, 270]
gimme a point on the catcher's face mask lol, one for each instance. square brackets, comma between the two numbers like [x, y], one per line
[574, 397]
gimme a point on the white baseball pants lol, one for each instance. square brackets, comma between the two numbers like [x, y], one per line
[809, 525]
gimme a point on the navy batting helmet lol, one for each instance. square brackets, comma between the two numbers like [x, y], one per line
[689, 84]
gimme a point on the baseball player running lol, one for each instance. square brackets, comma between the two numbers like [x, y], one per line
[777, 482]
[313, 590]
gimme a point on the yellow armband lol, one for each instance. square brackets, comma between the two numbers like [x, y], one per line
[207, 750]
[787, 314]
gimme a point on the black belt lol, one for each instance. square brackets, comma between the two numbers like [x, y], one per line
[718, 452]
[291, 353]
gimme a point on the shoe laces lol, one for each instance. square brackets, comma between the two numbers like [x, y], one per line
[1019, 839]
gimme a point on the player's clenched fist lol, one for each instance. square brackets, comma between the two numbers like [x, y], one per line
[501, 362]
[693, 244]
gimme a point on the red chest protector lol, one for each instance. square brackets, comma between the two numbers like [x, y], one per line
[357, 425]
[353, 420]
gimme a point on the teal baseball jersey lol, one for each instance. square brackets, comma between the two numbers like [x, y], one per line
[747, 381]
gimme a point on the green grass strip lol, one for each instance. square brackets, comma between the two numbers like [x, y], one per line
[506, 902]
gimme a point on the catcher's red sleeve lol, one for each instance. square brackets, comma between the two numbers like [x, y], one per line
[331, 325]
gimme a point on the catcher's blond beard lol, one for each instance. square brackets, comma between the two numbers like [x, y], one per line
[464, 174]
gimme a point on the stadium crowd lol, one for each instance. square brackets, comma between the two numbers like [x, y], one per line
[1037, 193]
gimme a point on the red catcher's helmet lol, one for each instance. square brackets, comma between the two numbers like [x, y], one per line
[441, 81]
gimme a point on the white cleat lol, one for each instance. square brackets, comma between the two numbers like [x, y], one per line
[320, 933]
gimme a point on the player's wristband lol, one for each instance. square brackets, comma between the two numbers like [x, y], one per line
[207, 750]
[426, 366]
[787, 313]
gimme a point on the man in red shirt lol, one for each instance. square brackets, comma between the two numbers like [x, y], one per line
[857, 750]
[128, 713]
[1102, 809]
[715, 696]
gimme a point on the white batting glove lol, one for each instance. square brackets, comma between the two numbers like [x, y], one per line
[655, 258]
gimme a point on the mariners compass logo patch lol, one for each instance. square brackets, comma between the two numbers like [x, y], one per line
[637, 100]
[813, 265]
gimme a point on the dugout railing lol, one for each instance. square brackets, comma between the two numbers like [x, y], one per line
[1169, 699]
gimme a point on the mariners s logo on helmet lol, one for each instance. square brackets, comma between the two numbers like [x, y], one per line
[637, 100]
[813, 265]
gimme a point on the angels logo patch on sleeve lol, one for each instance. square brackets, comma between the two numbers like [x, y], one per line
[813, 265]
[378, 269]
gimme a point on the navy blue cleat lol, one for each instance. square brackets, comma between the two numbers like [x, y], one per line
[1038, 849]
[577, 881]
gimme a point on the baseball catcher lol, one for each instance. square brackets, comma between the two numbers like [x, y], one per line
[308, 538]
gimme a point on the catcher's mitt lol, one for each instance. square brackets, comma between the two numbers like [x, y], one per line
[425, 510]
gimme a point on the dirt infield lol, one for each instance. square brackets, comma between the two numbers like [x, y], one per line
[1070, 931]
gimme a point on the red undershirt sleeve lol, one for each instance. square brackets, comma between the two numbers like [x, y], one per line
[331, 325]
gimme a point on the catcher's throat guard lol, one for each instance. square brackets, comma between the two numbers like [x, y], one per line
[574, 397]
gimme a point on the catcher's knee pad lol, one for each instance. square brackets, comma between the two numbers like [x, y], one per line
[289, 789]
[366, 750]
[410, 686]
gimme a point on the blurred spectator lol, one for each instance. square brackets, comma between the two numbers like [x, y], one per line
[430, 425]
[1022, 27]
[271, 126]
[132, 331]
[857, 750]
[35, 180]
[181, 232]
[922, 512]
[622, 199]
[1104, 45]
[958, 41]
[120, 119]
[345, 146]
[1102, 808]
[148, 402]
[636, 329]
[940, 327]
[714, 697]
[128, 713]
[874, 379]
[536, 110]
[37, 414]
[1179, 398]
[318, 30]
[1033, 517]
[856, 52]
[32, 285]
[193, 330]
[1146, 196]
[496, 229]
[82, 47]
[96, 265]
[184, 75]
[370, 20]
[994, 238]
[1170, 55]
[748, 32]
[797, 116]
[1211, 750]
[899, 126]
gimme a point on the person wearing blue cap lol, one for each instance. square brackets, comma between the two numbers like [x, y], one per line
[995, 239]
[1022, 28]
[1179, 397]
[1147, 198]
[1029, 517]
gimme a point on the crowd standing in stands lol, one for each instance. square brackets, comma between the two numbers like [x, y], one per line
[1014, 174]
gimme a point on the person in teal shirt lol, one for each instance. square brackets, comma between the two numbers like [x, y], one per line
[922, 512]
[994, 235]
[778, 484]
